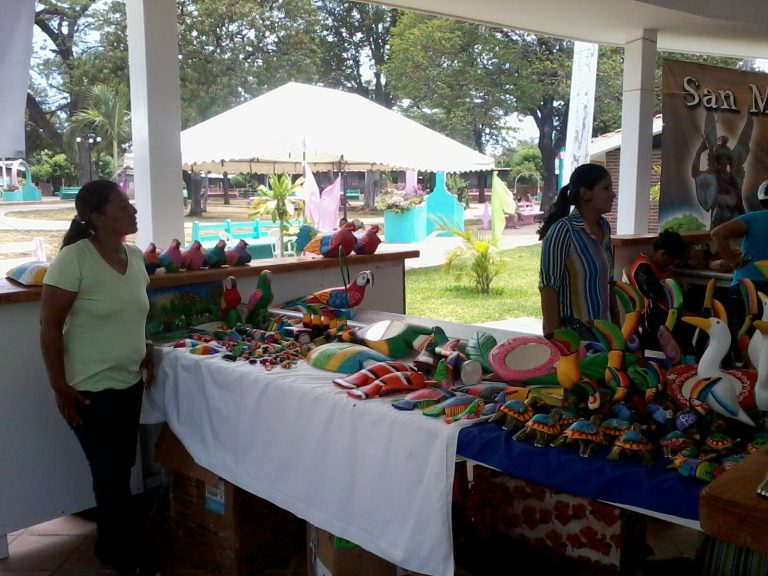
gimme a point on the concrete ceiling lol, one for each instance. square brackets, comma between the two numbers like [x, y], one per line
[737, 28]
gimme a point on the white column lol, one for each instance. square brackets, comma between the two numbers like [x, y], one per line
[636, 133]
[581, 108]
[156, 119]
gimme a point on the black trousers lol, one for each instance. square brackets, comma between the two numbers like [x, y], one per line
[109, 435]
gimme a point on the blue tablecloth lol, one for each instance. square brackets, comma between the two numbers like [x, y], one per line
[654, 488]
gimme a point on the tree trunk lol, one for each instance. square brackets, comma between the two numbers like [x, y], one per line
[371, 188]
[225, 186]
[195, 204]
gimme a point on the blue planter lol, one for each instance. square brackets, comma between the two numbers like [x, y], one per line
[407, 226]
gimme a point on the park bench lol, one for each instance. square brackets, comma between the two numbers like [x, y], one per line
[353, 194]
[68, 192]
[255, 232]
[528, 213]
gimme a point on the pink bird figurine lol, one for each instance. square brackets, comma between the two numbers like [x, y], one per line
[171, 258]
[193, 258]
[368, 242]
[152, 258]
[239, 255]
[331, 245]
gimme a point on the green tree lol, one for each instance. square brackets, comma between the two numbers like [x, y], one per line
[45, 166]
[525, 165]
[234, 50]
[465, 80]
[355, 47]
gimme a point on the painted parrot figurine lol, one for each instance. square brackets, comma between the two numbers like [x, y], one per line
[239, 255]
[171, 258]
[193, 258]
[259, 300]
[152, 258]
[368, 242]
[342, 241]
[347, 296]
[230, 300]
[217, 256]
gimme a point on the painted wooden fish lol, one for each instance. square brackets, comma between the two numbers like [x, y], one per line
[371, 373]
[395, 383]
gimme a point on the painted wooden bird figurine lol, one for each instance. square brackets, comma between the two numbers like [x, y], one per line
[152, 258]
[757, 342]
[239, 255]
[171, 258]
[256, 312]
[347, 296]
[193, 258]
[217, 256]
[230, 300]
[615, 376]
[760, 362]
[717, 387]
[568, 370]
[342, 241]
[368, 242]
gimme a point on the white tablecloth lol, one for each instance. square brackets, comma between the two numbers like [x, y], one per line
[362, 470]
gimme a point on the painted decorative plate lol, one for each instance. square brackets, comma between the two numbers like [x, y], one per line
[681, 379]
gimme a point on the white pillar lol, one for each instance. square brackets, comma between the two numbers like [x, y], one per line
[636, 133]
[156, 119]
[581, 108]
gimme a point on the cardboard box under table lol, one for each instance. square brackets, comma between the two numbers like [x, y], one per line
[219, 527]
[329, 555]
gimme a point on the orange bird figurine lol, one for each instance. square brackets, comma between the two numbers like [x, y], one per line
[368, 242]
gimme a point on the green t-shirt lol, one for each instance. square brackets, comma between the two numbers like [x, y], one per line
[104, 335]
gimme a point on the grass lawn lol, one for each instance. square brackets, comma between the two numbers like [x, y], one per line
[435, 293]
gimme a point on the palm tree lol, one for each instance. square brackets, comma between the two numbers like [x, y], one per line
[478, 256]
[278, 201]
[106, 112]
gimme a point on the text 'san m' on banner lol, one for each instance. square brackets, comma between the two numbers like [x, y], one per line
[714, 143]
[17, 20]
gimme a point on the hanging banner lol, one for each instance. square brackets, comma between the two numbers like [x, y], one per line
[16, 26]
[714, 144]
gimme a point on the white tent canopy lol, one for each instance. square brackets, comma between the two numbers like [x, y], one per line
[330, 129]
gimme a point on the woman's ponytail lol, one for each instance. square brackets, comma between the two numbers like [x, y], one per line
[560, 208]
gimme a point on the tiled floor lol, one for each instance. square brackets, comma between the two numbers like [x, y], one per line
[64, 547]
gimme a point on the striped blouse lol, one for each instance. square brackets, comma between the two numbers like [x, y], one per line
[579, 268]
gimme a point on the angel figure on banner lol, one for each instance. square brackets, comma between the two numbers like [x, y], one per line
[718, 188]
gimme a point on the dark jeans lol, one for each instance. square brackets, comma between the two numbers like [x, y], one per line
[109, 435]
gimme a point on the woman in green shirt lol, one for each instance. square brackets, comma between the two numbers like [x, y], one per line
[93, 339]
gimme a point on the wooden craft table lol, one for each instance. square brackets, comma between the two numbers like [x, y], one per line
[730, 508]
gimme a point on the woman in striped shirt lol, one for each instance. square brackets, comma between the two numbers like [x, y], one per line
[576, 275]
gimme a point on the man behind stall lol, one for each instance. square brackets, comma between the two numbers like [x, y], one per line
[647, 273]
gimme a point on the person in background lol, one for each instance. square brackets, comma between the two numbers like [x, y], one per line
[98, 359]
[751, 229]
[647, 273]
[576, 273]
